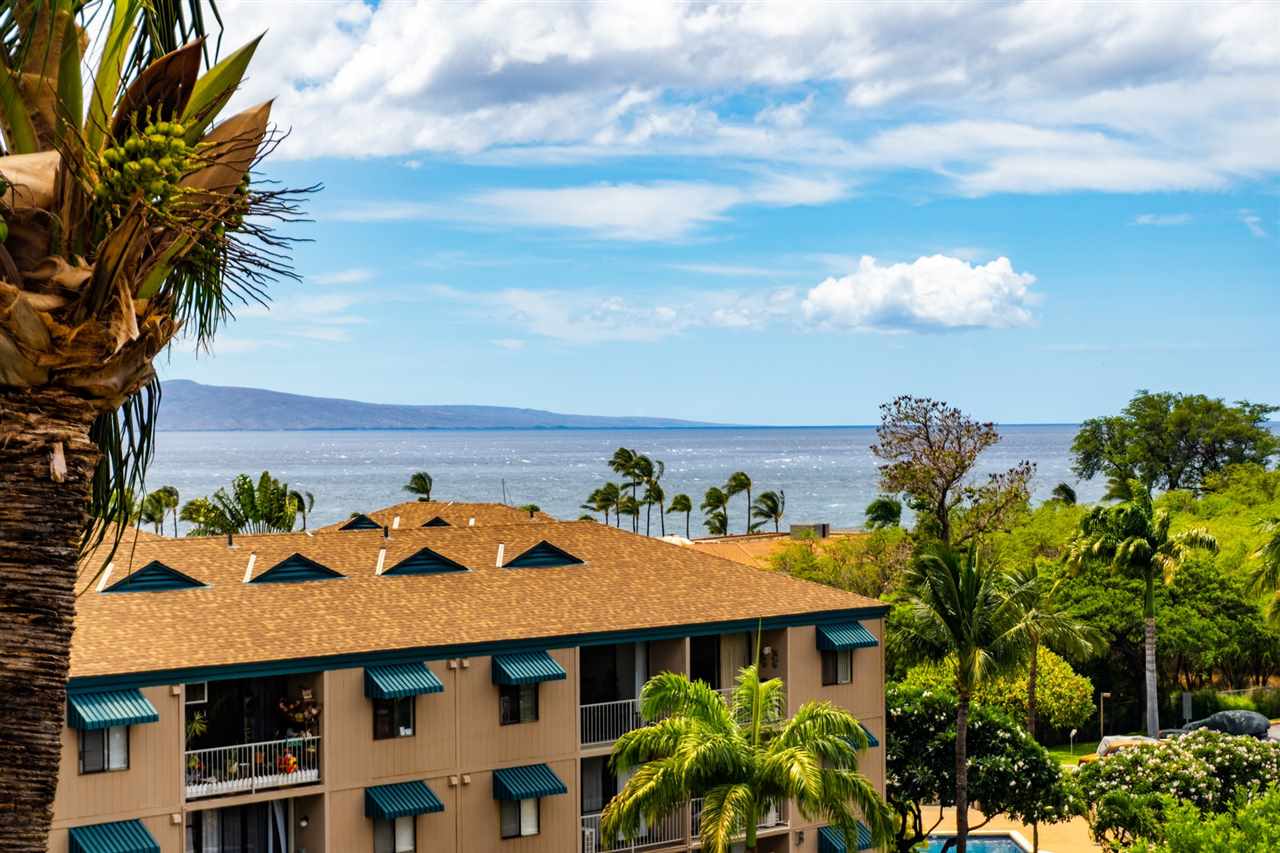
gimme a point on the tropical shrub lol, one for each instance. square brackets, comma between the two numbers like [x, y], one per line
[1009, 773]
[1064, 699]
[866, 564]
[1251, 826]
[1131, 791]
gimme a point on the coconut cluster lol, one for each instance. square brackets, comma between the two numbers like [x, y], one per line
[150, 161]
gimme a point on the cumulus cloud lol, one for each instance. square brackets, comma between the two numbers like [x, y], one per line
[1162, 219]
[934, 293]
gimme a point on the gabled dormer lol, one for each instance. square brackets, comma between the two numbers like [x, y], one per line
[437, 522]
[154, 577]
[544, 555]
[425, 562]
[296, 569]
[360, 521]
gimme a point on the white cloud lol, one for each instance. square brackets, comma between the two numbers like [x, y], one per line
[1253, 222]
[933, 293]
[731, 270]
[1126, 98]
[1165, 219]
[512, 344]
[351, 276]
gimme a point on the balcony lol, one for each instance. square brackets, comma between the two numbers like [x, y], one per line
[604, 722]
[669, 832]
[774, 818]
[253, 767]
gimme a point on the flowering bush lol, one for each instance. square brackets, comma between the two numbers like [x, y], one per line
[1251, 825]
[1130, 791]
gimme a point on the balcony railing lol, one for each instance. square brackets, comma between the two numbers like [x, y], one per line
[668, 832]
[772, 819]
[605, 722]
[253, 767]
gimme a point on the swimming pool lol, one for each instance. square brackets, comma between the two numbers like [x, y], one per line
[980, 844]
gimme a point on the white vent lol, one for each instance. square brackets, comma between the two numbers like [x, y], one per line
[248, 570]
[501, 548]
[382, 557]
[106, 576]
[395, 523]
[471, 522]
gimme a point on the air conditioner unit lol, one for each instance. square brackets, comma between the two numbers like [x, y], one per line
[589, 840]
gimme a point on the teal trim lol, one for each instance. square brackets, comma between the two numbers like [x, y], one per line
[436, 522]
[526, 668]
[154, 577]
[871, 739]
[527, 783]
[356, 660]
[399, 681]
[125, 836]
[831, 840]
[425, 562]
[388, 802]
[296, 569]
[544, 555]
[87, 711]
[360, 521]
[848, 636]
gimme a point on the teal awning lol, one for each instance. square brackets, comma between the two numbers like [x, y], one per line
[526, 668]
[871, 739]
[400, 681]
[527, 783]
[110, 708]
[848, 635]
[831, 840]
[388, 802]
[126, 836]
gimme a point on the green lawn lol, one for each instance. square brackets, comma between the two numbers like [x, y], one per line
[1064, 755]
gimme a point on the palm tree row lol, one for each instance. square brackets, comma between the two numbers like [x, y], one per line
[267, 506]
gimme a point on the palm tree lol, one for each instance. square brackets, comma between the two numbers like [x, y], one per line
[629, 506]
[738, 482]
[741, 758]
[1065, 494]
[653, 494]
[623, 462]
[1132, 537]
[716, 503]
[420, 484]
[131, 220]
[305, 502]
[153, 511]
[611, 498]
[682, 503]
[884, 511]
[168, 496]
[265, 507]
[961, 607]
[1266, 577]
[595, 503]
[1044, 620]
[532, 509]
[770, 506]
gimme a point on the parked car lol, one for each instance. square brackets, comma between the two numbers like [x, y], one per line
[1115, 743]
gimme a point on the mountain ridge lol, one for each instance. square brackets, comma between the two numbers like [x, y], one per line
[189, 406]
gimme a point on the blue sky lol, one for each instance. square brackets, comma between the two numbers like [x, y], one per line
[769, 214]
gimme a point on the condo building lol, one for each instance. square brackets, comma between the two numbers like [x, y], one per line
[427, 679]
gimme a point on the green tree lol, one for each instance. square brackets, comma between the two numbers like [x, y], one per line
[169, 499]
[134, 222]
[961, 607]
[682, 503]
[305, 502]
[265, 507]
[630, 507]
[930, 450]
[870, 565]
[1266, 574]
[741, 758]
[715, 503]
[153, 511]
[738, 483]
[1173, 441]
[653, 494]
[1010, 773]
[420, 484]
[1252, 825]
[770, 506]
[1064, 493]
[884, 511]
[1133, 538]
[623, 462]
[532, 509]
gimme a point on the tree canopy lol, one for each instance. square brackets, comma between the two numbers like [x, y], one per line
[1173, 441]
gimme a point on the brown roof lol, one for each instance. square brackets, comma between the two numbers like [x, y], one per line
[457, 514]
[626, 582]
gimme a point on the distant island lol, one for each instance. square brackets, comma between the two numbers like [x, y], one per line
[187, 405]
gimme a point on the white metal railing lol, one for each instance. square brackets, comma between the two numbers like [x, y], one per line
[253, 766]
[772, 818]
[605, 722]
[666, 832]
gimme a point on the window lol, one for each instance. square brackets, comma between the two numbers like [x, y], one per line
[395, 836]
[197, 693]
[104, 749]
[517, 703]
[393, 718]
[837, 666]
[519, 818]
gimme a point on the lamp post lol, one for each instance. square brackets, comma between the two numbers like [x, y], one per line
[1073, 742]
[1102, 698]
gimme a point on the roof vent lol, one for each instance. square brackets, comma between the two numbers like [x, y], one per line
[544, 555]
[295, 569]
[425, 562]
[154, 577]
[360, 521]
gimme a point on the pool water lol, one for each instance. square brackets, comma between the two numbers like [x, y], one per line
[979, 844]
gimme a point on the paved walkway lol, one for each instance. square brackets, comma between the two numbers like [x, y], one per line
[1069, 837]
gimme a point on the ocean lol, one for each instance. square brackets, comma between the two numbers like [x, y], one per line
[828, 473]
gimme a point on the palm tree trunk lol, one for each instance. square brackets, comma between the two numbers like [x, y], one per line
[1032, 672]
[662, 516]
[686, 524]
[1149, 655]
[648, 517]
[962, 772]
[42, 515]
[748, 527]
